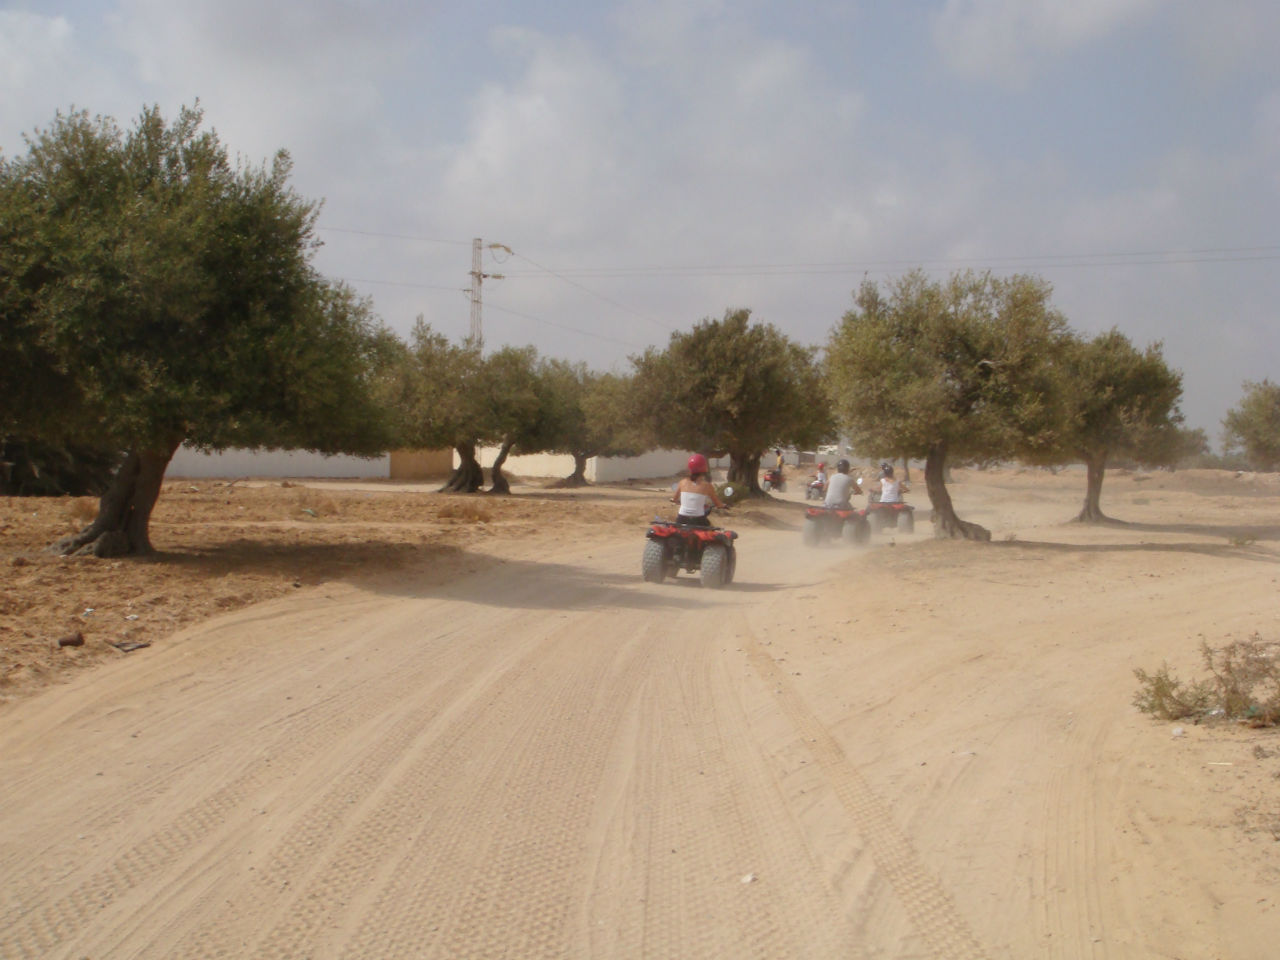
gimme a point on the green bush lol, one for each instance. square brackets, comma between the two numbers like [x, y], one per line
[738, 494]
[1243, 685]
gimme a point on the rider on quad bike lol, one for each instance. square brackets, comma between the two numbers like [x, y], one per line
[886, 508]
[691, 543]
[817, 488]
[695, 494]
[889, 488]
[837, 518]
[841, 487]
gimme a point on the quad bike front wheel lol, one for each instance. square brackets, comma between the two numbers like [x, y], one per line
[715, 566]
[654, 564]
[907, 521]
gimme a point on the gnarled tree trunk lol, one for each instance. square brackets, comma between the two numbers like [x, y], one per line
[744, 472]
[579, 476]
[467, 477]
[1091, 512]
[945, 521]
[124, 511]
[497, 479]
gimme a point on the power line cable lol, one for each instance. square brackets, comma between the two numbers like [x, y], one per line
[1136, 257]
[598, 296]
[401, 283]
[563, 326]
[1193, 255]
[394, 236]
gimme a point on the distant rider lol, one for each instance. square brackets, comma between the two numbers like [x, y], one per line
[891, 489]
[820, 478]
[695, 494]
[841, 487]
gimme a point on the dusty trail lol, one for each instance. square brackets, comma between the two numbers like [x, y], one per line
[914, 751]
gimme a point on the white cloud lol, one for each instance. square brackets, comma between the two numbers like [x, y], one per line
[1002, 39]
[37, 62]
[1223, 40]
[26, 41]
[694, 133]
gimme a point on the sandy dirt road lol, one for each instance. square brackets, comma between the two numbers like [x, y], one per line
[921, 749]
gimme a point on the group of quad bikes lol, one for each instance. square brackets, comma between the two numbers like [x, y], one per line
[710, 552]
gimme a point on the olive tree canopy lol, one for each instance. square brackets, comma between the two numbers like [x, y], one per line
[962, 369]
[732, 386]
[1253, 425]
[154, 293]
[1119, 401]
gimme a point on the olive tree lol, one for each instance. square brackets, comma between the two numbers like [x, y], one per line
[958, 370]
[449, 394]
[732, 386]
[515, 406]
[590, 415]
[155, 293]
[1119, 401]
[433, 393]
[1253, 425]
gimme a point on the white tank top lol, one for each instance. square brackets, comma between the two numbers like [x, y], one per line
[693, 504]
[890, 490]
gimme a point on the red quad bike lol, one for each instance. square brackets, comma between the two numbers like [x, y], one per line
[835, 523]
[772, 480]
[816, 490]
[672, 547]
[889, 516]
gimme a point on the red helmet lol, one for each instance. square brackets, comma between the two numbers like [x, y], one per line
[822, 466]
[697, 465]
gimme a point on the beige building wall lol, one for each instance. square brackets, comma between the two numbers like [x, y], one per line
[421, 464]
[655, 463]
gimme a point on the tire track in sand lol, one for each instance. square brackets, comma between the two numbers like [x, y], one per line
[926, 902]
[400, 870]
[38, 924]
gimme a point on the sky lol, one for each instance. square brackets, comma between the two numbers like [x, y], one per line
[635, 167]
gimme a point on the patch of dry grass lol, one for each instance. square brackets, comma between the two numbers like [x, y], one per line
[1243, 685]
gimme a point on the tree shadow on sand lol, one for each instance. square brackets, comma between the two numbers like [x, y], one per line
[1236, 545]
[448, 571]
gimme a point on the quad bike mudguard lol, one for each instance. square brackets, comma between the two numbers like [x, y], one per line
[897, 515]
[835, 523]
[671, 547]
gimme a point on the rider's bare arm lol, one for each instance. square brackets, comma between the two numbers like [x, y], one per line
[707, 488]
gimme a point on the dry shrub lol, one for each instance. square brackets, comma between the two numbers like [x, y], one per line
[471, 512]
[1243, 685]
[315, 503]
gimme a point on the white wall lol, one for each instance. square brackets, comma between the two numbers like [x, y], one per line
[274, 463]
[655, 463]
[300, 463]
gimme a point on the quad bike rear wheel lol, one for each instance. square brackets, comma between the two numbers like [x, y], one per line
[876, 520]
[907, 521]
[732, 566]
[715, 565]
[811, 535]
[856, 530]
[654, 564]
